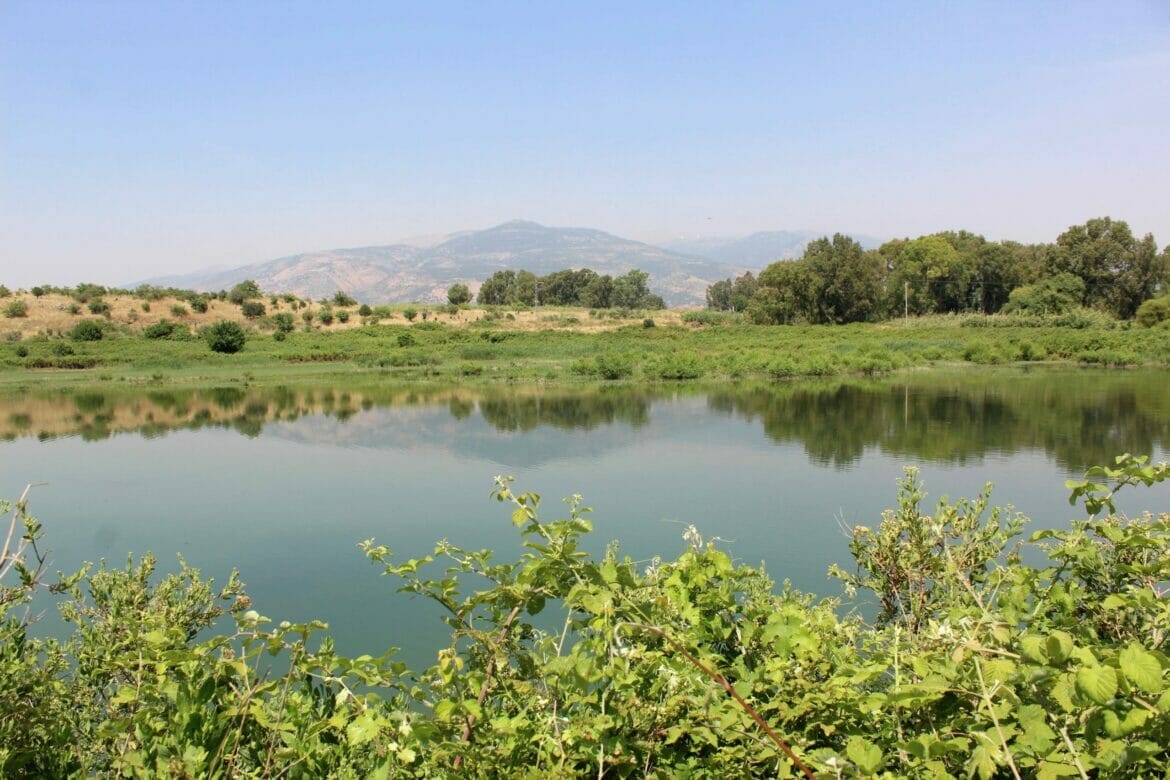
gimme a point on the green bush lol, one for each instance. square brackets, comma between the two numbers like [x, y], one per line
[199, 304]
[343, 299]
[283, 322]
[613, 365]
[15, 308]
[410, 313]
[325, 316]
[98, 306]
[1154, 312]
[252, 309]
[87, 330]
[164, 329]
[364, 310]
[179, 310]
[676, 367]
[224, 336]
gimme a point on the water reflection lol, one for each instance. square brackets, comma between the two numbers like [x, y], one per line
[1077, 417]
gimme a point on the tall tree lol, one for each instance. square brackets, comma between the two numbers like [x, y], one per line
[1118, 270]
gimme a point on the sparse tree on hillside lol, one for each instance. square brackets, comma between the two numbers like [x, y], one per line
[458, 294]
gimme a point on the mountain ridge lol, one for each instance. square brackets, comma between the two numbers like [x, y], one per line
[421, 269]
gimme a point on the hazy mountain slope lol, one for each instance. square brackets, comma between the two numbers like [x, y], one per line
[756, 251]
[423, 271]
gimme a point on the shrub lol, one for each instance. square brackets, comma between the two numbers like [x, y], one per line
[38, 291]
[16, 308]
[343, 299]
[343, 315]
[410, 313]
[364, 310]
[87, 330]
[406, 340]
[179, 310]
[646, 323]
[22, 351]
[613, 365]
[325, 317]
[283, 322]
[252, 309]
[1154, 311]
[146, 305]
[677, 367]
[4, 291]
[199, 304]
[279, 335]
[60, 348]
[163, 329]
[73, 308]
[98, 306]
[224, 336]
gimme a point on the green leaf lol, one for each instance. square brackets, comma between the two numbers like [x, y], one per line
[361, 730]
[981, 762]
[1059, 647]
[1141, 667]
[1033, 649]
[865, 754]
[1099, 683]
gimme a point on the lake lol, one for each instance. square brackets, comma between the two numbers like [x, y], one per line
[282, 483]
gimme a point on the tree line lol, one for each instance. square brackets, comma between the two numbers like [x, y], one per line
[583, 287]
[1099, 265]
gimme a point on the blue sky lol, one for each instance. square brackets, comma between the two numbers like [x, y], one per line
[142, 138]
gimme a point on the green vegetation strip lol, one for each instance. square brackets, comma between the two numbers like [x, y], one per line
[491, 352]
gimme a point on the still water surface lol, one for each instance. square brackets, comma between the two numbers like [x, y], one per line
[282, 483]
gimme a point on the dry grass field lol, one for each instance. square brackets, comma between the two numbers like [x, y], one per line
[54, 314]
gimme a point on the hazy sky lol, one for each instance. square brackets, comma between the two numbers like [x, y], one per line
[141, 138]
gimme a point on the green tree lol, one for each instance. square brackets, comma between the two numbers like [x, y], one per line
[497, 289]
[1052, 295]
[843, 281]
[598, 293]
[926, 275]
[631, 290]
[781, 298]
[243, 291]
[719, 295]
[1118, 270]
[742, 290]
[458, 294]
[341, 298]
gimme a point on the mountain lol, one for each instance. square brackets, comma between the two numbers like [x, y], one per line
[756, 251]
[424, 268]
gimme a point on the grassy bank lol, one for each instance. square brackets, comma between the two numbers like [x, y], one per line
[551, 346]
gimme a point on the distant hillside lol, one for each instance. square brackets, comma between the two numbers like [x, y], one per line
[423, 270]
[756, 251]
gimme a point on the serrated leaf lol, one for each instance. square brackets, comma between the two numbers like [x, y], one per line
[1099, 683]
[864, 754]
[1141, 667]
[1033, 649]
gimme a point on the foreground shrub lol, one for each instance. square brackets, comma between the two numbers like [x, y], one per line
[15, 308]
[978, 663]
[224, 336]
